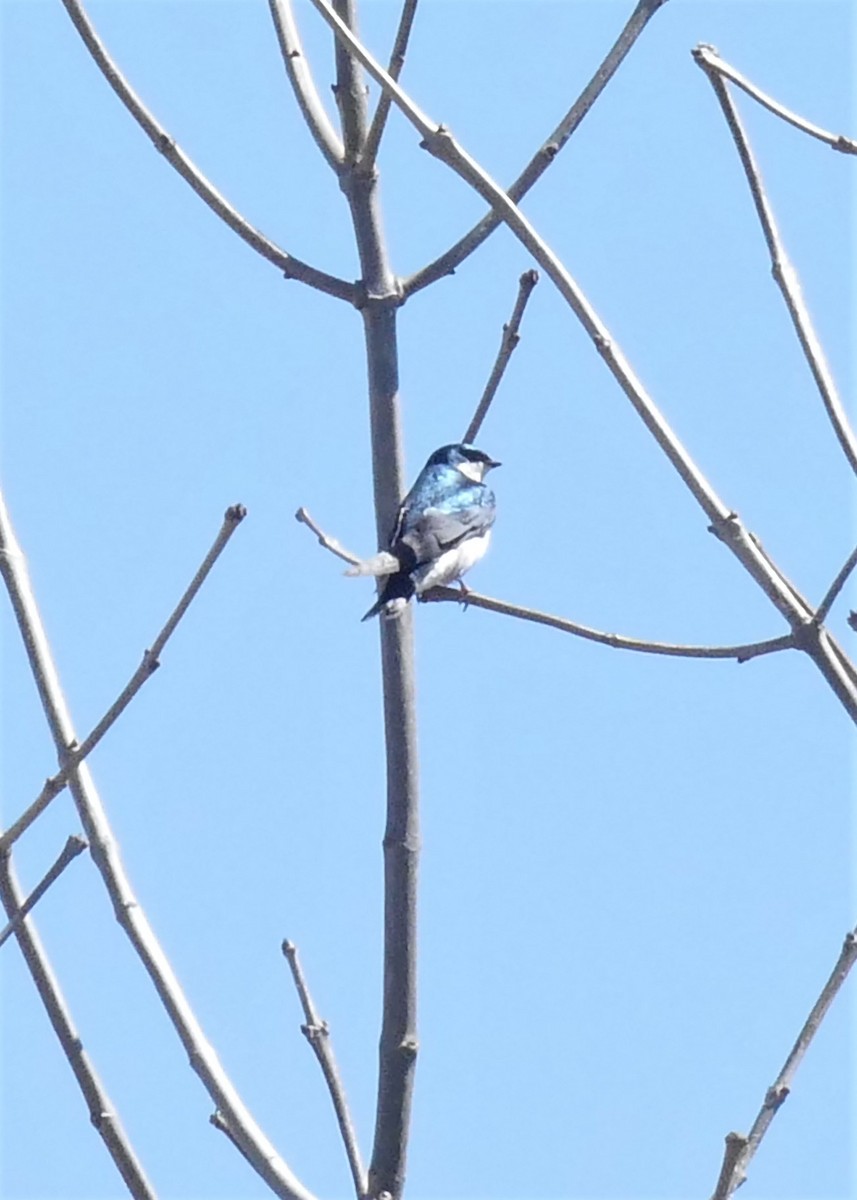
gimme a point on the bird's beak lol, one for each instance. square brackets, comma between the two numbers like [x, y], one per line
[492, 465]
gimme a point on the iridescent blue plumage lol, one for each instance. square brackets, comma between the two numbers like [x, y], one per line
[442, 529]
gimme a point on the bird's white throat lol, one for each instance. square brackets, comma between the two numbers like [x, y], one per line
[474, 471]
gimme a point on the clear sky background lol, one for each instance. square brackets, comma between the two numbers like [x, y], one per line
[637, 872]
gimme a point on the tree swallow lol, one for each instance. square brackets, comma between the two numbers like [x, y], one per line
[443, 528]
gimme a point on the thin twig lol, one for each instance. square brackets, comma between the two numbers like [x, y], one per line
[779, 1090]
[324, 539]
[102, 1112]
[359, 566]
[824, 651]
[782, 268]
[303, 84]
[150, 663]
[742, 653]
[708, 57]
[836, 587]
[292, 268]
[394, 70]
[104, 848]
[452, 258]
[317, 1033]
[508, 343]
[74, 846]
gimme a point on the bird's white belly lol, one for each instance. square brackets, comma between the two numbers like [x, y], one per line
[451, 565]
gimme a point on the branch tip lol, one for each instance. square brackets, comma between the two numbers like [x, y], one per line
[317, 1033]
[74, 845]
[303, 517]
[509, 340]
[70, 752]
[717, 72]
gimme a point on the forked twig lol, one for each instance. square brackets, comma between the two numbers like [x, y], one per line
[316, 1032]
[303, 84]
[782, 269]
[74, 846]
[508, 342]
[258, 1150]
[452, 258]
[397, 61]
[824, 651]
[739, 1149]
[75, 755]
[708, 58]
[102, 1112]
[292, 268]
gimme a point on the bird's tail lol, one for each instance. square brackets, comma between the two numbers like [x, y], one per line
[397, 592]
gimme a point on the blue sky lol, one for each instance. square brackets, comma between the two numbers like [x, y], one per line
[636, 872]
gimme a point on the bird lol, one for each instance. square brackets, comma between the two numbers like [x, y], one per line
[442, 529]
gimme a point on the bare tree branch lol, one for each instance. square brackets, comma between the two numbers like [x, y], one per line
[102, 1113]
[538, 164]
[743, 652]
[782, 269]
[303, 84]
[150, 663]
[508, 342]
[817, 643]
[394, 70]
[708, 58]
[329, 543]
[380, 299]
[737, 1155]
[317, 1033]
[70, 850]
[292, 268]
[836, 587]
[440, 143]
[350, 88]
[105, 854]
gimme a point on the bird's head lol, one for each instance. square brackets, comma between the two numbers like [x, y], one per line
[472, 463]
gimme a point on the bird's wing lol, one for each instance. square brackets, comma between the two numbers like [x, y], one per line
[435, 531]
